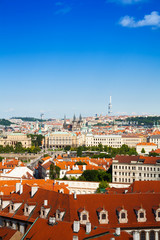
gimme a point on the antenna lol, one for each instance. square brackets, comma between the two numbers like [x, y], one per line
[110, 106]
[41, 115]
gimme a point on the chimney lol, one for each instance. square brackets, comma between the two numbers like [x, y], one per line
[135, 235]
[76, 226]
[33, 191]
[17, 187]
[112, 238]
[75, 237]
[88, 227]
[118, 231]
[52, 221]
[45, 202]
[21, 189]
[75, 195]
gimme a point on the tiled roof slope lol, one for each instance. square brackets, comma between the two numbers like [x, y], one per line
[64, 230]
[91, 203]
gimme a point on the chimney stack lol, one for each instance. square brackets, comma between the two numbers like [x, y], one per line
[88, 227]
[76, 226]
[33, 191]
[21, 189]
[75, 237]
[75, 195]
[118, 231]
[52, 221]
[17, 187]
[45, 202]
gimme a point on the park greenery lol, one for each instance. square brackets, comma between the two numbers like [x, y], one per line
[19, 149]
[94, 176]
[101, 151]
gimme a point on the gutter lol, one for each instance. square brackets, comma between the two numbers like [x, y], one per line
[29, 229]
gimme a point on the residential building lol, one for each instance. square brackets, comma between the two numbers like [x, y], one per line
[155, 139]
[114, 141]
[132, 140]
[127, 169]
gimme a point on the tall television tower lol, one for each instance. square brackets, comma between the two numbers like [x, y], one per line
[110, 106]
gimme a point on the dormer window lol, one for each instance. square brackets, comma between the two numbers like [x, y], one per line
[122, 215]
[156, 211]
[141, 214]
[14, 206]
[28, 208]
[44, 211]
[60, 214]
[83, 215]
[102, 216]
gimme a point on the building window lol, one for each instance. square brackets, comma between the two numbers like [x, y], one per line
[103, 216]
[143, 236]
[123, 215]
[84, 217]
[152, 235]
[141, 215]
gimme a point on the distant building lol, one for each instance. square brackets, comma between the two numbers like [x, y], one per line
[13, 138]
[114, 141]
[60, 140]
[76, 124]
[155, 139]
[132, 140]
[147, 147]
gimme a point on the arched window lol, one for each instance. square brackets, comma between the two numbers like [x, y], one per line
[143, 236]
[103, 216]
[152, 235]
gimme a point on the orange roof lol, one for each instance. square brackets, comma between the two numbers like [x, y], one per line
[146, 144]
[74, 172]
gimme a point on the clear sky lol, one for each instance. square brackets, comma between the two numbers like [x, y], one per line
[68, 56]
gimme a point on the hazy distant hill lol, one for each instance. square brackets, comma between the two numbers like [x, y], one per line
[5, 122]
[28, 119]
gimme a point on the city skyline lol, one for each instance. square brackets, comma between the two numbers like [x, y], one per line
[66, 57]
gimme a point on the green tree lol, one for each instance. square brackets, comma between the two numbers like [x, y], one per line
[79, 151]
[67, 148]
[100, 147]
[54, 171]
[143, 150]
[91, 175]
[102, 186]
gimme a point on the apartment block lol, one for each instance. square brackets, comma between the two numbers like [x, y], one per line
[127, 169]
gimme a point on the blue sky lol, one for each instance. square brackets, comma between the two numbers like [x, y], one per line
[66, 57]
